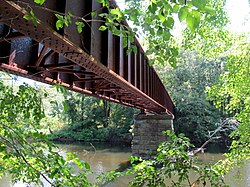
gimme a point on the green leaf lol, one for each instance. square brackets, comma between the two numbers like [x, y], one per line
[78, 163]
[31, 16]
[152, 8]
[174, 52]
[134, 49]
[131, 38]
[200, 4]
[135, 30]
[133, 159]
[102, 15]
[104, 3]
[32, 13]
[167, 8]
[182, 2]
[124, 42]
[60, 88]
[193, 20]
[66, 23]
[160, 31]
[60, 17]
[129, 50]
[169, 23]
[176, 8]
[116, 12]
[161, 17]
[102, 28]
[182, 14]
[151, 62]
[132, 17]
[70, 14]
[93, 14]
[27, 17]
[39, 2]
[59, 24]
[116, 32]
[149, 52]
[209, 10]
[166, 35]
[80, 26]
[87, 166]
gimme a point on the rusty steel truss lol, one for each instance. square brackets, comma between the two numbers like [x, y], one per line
[93, 62]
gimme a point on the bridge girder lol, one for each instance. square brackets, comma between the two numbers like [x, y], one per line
[93, 63]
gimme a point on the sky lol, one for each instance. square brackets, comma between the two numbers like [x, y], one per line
[239, 15]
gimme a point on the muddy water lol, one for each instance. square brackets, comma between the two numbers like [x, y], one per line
[106, 158]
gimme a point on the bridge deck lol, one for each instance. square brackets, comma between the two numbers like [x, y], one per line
[93, 62]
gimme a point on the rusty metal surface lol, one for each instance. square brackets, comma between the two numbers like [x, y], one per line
[92, 63]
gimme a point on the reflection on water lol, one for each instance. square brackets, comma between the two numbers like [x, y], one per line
[101, 158]
[106, 158]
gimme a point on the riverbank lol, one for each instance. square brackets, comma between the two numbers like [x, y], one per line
[103, 135]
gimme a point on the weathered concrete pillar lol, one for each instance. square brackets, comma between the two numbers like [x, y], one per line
[148, 133]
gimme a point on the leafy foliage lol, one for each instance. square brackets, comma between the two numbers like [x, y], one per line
[65, 20]
[212, 38]
[91, 119]
[25, 151]
[172, 166]
[31, 16]
[233, 94]
[187, 83]
[206, 36]
[39, 2]
[156, 21]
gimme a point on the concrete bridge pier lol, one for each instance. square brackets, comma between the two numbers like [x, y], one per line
[147, 133]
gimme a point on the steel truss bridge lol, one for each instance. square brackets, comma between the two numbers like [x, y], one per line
[93, 62]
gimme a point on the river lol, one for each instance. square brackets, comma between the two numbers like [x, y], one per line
[103, 157]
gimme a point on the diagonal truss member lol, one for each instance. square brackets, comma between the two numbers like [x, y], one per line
[93, 63]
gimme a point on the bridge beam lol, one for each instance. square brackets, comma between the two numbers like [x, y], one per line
[148, 134]
[39, 51]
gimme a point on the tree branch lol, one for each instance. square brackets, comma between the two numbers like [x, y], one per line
[26, 161]
[224, 123]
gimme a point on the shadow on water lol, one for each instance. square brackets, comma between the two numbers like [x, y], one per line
[216, 148]
[101, 146]
[123, 166]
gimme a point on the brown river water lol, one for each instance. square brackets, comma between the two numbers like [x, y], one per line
[107, 158]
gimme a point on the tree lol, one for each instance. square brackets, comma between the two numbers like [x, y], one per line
[156, 20]
[212, 43]
[195, 116]
[233, 94]
[175, 160]
[205, 26]
[25, 151]
[85, 118]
